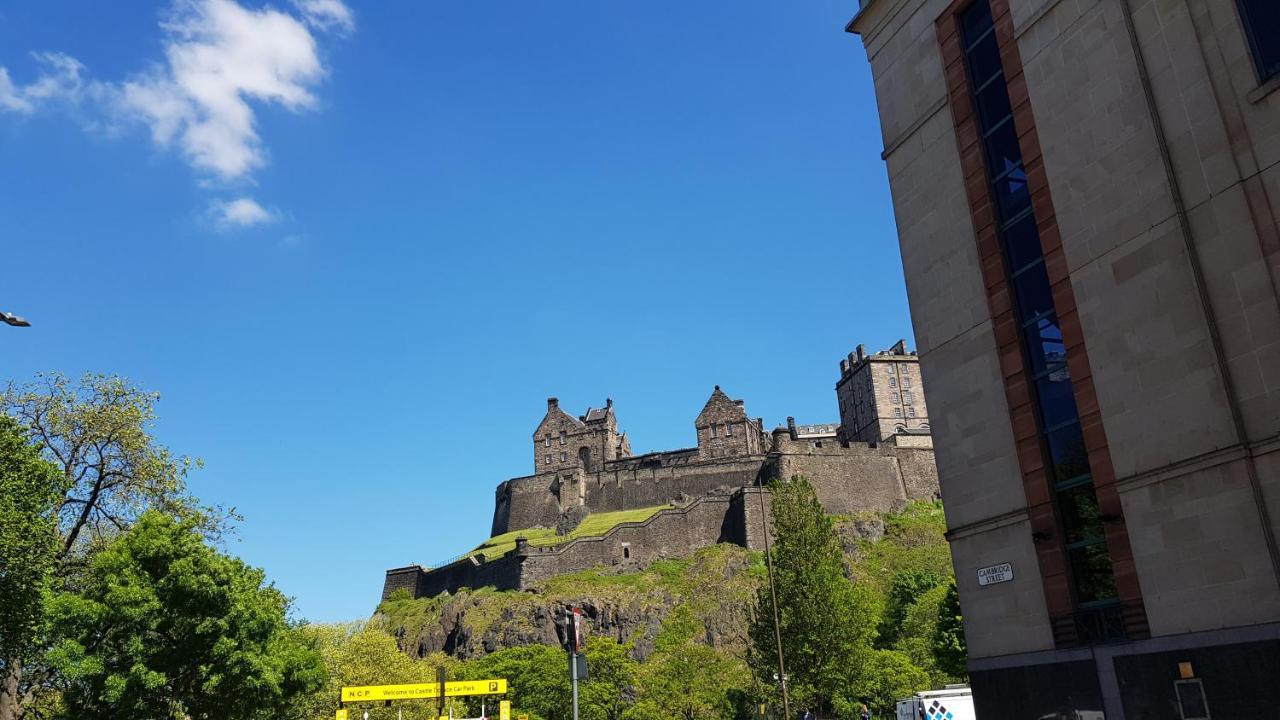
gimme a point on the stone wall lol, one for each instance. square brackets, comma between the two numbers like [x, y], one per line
[631, 483]
[726, 507]
[880, 477]
[668, 533]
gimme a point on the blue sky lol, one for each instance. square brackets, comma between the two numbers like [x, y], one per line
[355, 247]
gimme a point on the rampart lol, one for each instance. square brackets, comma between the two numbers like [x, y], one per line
[720, 500]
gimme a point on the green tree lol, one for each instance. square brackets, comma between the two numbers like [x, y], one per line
[356, 655]
[30, 489]
[905, 589]
[916, 636]
[888, 676]
[165, 626]
[611, 686]
[827, 623]
[685, 678]
[537, 679]
[948, 641]
[97, 433]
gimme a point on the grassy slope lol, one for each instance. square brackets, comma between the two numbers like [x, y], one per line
[594, 525]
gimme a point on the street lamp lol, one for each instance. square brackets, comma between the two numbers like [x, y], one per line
[14, 320]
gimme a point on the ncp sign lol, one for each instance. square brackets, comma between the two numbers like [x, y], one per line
[995, 574]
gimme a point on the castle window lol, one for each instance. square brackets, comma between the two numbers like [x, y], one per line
[893, 381]
[906, 380]
[906, 396]
[626, 551]
[715, 430]
[728, 429]
[564, 457]
[911, 412]
[547, 460]
[563, 438]
[893, 397]
[897, 412]
[546, 441]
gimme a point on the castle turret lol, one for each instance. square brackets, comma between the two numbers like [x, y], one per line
[724, 430]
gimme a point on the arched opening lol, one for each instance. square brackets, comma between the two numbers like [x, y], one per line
[584, 455]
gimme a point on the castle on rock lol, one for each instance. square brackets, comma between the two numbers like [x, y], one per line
[877, 458]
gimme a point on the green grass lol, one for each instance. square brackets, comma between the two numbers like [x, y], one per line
[594, 525]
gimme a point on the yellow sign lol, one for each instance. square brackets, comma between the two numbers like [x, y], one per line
[342, 715]
[458, 688]
[504, 710]
[522, 717]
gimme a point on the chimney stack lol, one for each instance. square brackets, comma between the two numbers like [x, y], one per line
[862, 352]
[553, 403]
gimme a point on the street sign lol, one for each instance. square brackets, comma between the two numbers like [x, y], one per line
[418, 691]
[995, 574]
[504, 710]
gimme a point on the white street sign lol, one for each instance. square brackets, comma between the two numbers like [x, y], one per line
[995, 574]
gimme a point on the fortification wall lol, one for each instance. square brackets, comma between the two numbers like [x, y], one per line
[646, 481]
[859, 477]
[668, 533]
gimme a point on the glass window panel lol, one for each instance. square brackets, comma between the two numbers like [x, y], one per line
[1262, 25]
[1067, 456]
[1057, 402]
[1031, 288]
[1044, 344]
[1079, 508]
[984, 61]
[993, 104]
[1091, 570]
[1022, 242]
[1012, 194]
[1003, 152]
[975, 21]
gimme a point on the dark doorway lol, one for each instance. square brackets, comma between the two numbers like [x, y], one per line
[584, 454]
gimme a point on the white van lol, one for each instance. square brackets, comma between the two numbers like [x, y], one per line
[954, 702]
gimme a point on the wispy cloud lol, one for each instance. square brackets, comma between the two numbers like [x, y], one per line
[328, 15]
[59, 79]
[241, 213]
[221, 60]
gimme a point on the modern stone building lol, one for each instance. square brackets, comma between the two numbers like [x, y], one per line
[1086, 194]
[880, 395]
[584, 465]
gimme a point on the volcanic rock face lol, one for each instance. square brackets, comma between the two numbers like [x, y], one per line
[717, 584]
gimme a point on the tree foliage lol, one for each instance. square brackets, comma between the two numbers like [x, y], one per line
[165, 626]
[98, 433]
[827, 623]
[685, 678]
[30, 489]
[948, 640]
[356, 655]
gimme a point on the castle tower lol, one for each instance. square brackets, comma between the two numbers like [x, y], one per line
[881, 395]
[724, 430]
[562, 441]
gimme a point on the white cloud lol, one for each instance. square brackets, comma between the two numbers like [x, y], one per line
[221, 59]
[241, 213]
[326, 14]
[59, 80]
[219, 56]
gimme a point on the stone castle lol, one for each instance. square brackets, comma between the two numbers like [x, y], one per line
[584, 465]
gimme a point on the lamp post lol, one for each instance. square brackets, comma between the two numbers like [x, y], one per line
[14, 320]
